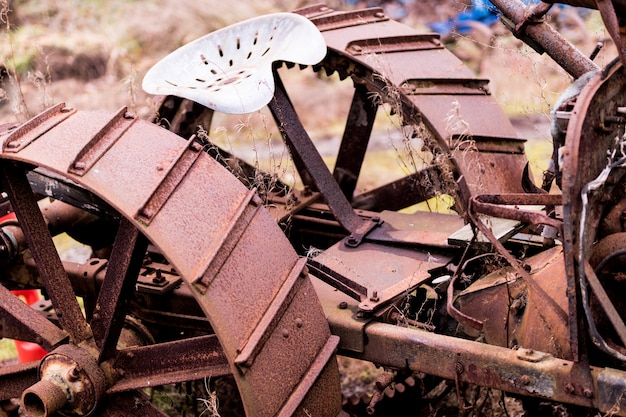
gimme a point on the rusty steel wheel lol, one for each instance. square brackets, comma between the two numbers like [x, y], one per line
[269, 330]
[440, 105]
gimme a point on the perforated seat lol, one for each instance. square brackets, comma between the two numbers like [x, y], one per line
[230, 70]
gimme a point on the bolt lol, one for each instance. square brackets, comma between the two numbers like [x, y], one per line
[588, 393]
[525, 380]
[343, 305]
[159, 279]
[570, 388]
[73, 374]
[459, 368]
[374, 297]
[352, 240]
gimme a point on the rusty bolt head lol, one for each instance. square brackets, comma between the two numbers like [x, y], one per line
[459, 368]
[343, 305]
[525, 379]
[588, 393]
[73, 374]
[570, 388]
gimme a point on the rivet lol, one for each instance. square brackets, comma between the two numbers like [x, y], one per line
[343, 305]
[525, 379]
[285, 333]
[299, 322]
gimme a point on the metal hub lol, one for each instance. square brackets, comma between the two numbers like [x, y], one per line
[71, 382]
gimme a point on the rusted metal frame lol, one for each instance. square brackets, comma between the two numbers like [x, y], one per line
[170, 362]
[101, 142]
[176, 172]
[14, 379]
[267, 324]
[36, 127]
[21, 322]
[515, 264]
[302, 147]
[56, 281]
[551, 41]
[137, 403]
[355, 139]
[234, 230]
[401, 193]
[119, 284]
[309, 378]
[492, 205]
[521, 371]
[446, 86]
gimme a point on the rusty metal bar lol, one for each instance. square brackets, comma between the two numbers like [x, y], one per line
[14, 379]
[101, 142]
[119, 284]
[171, 362]
[520, 371]
[554, 44]
[347, 19]
[492, 205]
[302, 147]
[308, 380]
[233, 231]
[355, 139]
[269, 321]
[58, 286]
[21, 322]
[21, 137]
[389, 44]
[174, 175]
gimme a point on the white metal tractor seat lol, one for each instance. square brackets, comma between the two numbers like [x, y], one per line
[230, 70]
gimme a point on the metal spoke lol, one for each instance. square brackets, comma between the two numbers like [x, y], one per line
[355, 140]
[303, 150]
[58, 286]
[184, 360]
[14, 379]
[21, 322]
[119, 283]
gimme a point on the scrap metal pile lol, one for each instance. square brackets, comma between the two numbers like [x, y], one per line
[197, 276]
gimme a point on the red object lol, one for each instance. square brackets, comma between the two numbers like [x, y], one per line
[28, 351]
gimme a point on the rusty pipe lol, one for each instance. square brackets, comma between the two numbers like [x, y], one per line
[553, 43]
[44, 399]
